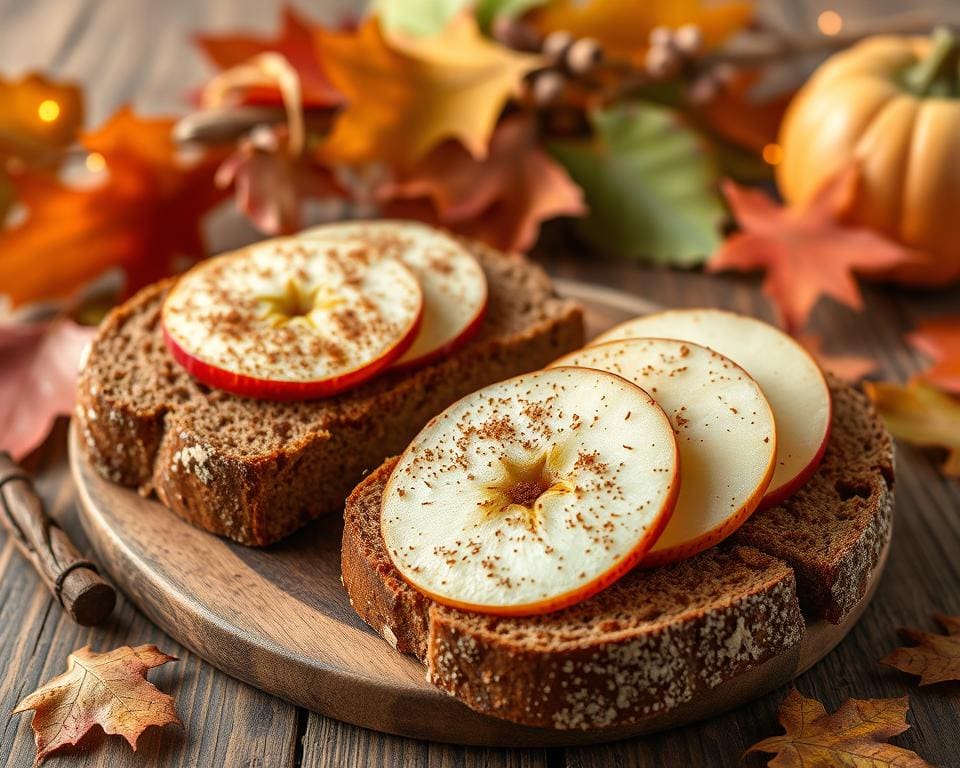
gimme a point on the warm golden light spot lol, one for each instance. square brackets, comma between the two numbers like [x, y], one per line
[297, 303]
[830, 22]
[95, 162]
[48, 110]
[773, 154]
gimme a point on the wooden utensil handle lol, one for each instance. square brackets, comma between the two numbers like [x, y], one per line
[71, 578]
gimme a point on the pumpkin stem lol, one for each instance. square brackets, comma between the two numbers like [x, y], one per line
[938, 73]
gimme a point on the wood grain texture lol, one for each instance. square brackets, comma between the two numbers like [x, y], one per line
[280, 619]
[139, 51]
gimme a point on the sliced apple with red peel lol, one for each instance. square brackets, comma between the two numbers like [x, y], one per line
[532, 494]
[725, 432]
[292, 319]
[453, 282]
[785, 371]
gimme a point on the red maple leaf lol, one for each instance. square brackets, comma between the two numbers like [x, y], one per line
[940, 339]
[144, 216]
[295, 42]
[806, 251]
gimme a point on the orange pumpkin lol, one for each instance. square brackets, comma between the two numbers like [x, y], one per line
[893, 105]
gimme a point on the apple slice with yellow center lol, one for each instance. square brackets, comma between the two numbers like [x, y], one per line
[532, 494]
[453, 282]
[291, 318]
[724, 427]
[789, 377]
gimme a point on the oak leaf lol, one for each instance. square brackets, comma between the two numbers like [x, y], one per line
[855, 735]
[37, 379]
[407, 95]
[143, 217]
[106, 689]
[500, 200]
[295, 42]
[940, 339]
[935, 658]
[921, 415]
[805, 251]
[623, 28]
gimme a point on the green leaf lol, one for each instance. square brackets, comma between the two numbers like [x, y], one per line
[650, 185]
[488, 10]
[417, 18]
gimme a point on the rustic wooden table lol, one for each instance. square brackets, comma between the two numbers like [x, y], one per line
[140, 51]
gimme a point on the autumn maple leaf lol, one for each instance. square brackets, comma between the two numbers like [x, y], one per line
[105, 689]
[623, 28]
[143, 217]
[921, 415]
[500, 200]
[405, 96]
[935, 658]
[805, 251]
[940, 339]
[854, 735]
[295, 42]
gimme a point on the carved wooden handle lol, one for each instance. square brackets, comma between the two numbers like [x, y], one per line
[72, 579]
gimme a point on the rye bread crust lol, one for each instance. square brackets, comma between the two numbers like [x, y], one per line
[649, 642]
[254, 470]
[657, 637]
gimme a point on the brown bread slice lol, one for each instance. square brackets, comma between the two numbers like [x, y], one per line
[651, 641]
[255, 470]
[833, 529]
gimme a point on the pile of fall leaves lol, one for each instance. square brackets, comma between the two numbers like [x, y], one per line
[98, 688]
[486, 118]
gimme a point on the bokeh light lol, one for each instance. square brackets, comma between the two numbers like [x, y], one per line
[95, 162]
[830, 22]
[773, 154]
[48, 111]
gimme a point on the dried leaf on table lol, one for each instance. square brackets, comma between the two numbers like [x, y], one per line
[106, 689]
[934, 658]
[855, 735]
[850, 368]
[805, 251]
[623, 28]
[407, 96]
[143, 216]
[38, 375]
[649, 183]
[296, 42]
[921, 415]
[500, 200]
[271, 183]
[940, 339]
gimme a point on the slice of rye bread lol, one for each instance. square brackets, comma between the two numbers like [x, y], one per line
[655, 638]
[833, 529]
[255, 470]
[649, 642]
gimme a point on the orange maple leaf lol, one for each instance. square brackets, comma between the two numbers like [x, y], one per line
[850, 368]
[921, 415]
[405, 96]
[940, 339]
[106, 689]
[623, 28]
[854, 735]
[143, 217]
[935, 658]
[805, 251]
[295, 42]
[500, 200]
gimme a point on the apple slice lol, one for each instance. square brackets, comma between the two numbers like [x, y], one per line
[292, 319]
[724, 427]
[788, 376]
[532, 494]
[453, 282]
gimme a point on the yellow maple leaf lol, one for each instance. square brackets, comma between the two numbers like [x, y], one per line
[623, 28]
[920, 415]
[405, 96]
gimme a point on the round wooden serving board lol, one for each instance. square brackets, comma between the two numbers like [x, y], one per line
[280, 619]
